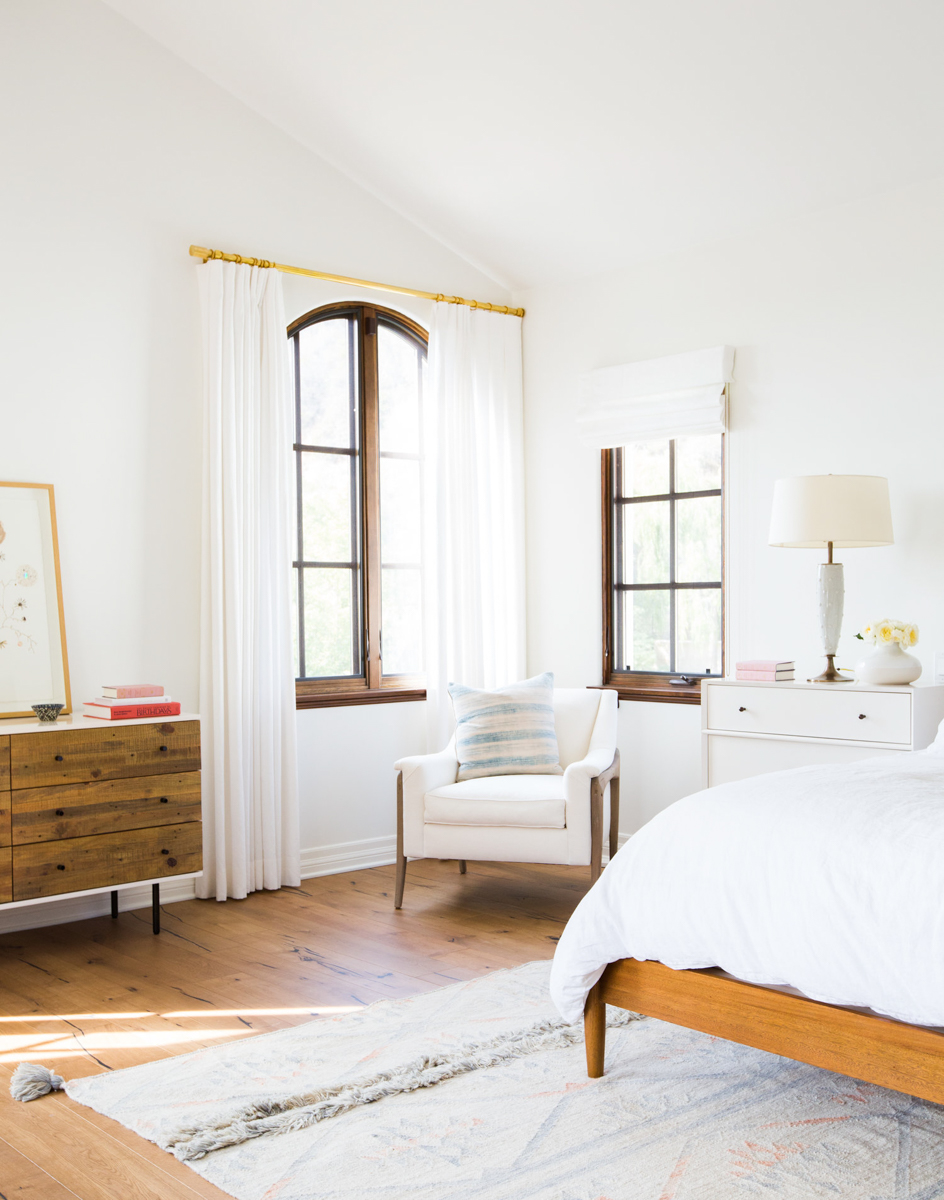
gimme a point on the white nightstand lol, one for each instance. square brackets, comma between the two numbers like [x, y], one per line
[752, 728]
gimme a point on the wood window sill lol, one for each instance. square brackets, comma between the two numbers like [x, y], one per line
[338, 699]
[661, 692]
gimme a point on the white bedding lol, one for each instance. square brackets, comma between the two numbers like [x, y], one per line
[827, 879]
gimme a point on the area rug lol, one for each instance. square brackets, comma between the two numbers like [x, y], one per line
[678, 1115]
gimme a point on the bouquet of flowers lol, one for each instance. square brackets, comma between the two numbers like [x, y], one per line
[882, 632]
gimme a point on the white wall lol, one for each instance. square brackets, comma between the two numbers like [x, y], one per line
[116, 157]
[838, 320]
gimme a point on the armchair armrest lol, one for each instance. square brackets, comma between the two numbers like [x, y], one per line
[419, 774]
[585, 785]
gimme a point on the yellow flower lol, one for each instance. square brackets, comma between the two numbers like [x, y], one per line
[884, 631]
[909, 635]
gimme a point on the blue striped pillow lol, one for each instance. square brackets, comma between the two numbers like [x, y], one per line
[506, 732]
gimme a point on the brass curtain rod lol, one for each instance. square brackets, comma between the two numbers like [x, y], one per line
[205, 254]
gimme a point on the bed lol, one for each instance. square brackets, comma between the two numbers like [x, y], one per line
[800, 912]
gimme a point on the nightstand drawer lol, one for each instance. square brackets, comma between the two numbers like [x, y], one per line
[83, 809]
[859, 716]
[48, 869]
[112, 752]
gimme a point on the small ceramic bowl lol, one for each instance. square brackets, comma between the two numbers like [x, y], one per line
[49, 711]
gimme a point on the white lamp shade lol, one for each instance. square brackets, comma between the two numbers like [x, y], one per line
[809, 511]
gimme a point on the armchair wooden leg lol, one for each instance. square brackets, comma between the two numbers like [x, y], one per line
[461, 866]
[596, 828]
[614, 810]
[594, 1031]
[401, 857]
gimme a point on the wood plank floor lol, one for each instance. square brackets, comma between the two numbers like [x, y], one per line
[100, 994]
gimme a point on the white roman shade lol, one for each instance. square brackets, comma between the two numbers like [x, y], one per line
[658, 398]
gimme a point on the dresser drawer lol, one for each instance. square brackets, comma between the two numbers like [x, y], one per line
[112, 752]
[732, 758]
[46, 869]
[809, 712]
[6, 875]
[4, 762]
[5, 829]
[81, 809]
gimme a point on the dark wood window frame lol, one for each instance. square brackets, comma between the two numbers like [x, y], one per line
[371, 686]
[642, 685]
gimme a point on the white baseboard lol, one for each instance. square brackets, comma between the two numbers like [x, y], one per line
[348, 856]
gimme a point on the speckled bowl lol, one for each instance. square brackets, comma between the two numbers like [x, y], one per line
[47, 712]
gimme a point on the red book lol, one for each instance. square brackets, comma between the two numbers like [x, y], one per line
[128, 691]
[125, 712]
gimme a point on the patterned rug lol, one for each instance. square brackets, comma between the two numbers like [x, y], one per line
[678, 1115]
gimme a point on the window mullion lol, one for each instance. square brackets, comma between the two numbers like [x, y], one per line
[371, 469]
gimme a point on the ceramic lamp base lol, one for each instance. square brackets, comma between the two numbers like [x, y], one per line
[831, 675]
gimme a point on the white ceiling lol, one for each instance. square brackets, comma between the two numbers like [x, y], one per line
[552, 139]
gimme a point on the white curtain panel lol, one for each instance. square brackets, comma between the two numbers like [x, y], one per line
[247, 686]
[473, 477]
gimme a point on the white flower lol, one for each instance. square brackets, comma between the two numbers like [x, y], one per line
[26, 575]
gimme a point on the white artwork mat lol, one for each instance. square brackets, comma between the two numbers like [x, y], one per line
[32, 645]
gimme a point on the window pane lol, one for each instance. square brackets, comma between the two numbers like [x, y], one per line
[400, 530]
[398, 371]
[698, 617]
[645, 542]
[330, 645]
[402, 602]
[326, 383]
[645, 633]
[327, 507]
[698, 463]
[646, 469]
[698, 540]
[295, 658]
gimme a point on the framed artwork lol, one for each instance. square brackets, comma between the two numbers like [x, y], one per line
[33, 663]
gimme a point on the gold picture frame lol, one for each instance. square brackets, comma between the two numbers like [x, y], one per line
[34, 664]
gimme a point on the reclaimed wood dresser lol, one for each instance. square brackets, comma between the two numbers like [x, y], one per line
[94, 806]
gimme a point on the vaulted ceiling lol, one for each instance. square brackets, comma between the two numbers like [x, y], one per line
[552, 139]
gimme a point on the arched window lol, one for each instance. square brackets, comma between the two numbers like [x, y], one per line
[359, 378]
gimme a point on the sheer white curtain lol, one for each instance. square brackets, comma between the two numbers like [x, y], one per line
[473, 475]
[247, 686]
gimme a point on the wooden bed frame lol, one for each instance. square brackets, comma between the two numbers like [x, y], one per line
[905, 1058]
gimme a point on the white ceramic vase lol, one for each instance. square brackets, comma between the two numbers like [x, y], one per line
[889, 664]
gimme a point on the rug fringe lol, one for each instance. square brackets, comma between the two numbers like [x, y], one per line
[264, 1117]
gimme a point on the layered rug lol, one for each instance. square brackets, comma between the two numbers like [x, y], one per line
[478, 1091]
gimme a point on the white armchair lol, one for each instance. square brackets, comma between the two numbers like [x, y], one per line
[518, 818]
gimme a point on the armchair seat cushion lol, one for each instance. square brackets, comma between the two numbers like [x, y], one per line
[525, 801]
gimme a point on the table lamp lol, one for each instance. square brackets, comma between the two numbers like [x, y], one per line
[812, 511]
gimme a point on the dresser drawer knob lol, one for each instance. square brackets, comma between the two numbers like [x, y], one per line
[60, 812]
[163, 799]
[742, 709]
[165, 852]
[60, 866]
[861, 716]
[163, 747]
[58, 758]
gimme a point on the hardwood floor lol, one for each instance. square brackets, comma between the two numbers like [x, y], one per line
[100, 994]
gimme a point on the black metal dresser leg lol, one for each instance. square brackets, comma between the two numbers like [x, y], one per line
[114, 906]
[156, 907]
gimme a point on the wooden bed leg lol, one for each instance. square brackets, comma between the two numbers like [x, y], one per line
[594, 1031]
[401, 857]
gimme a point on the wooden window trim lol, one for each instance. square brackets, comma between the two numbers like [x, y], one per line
[372, 687]
[640, 685]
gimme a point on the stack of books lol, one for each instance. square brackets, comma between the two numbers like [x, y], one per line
[128, 701]
[766, 669]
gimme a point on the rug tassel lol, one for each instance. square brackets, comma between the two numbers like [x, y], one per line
[30, 1081]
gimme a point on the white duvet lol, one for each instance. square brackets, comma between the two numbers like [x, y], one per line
[827, 879]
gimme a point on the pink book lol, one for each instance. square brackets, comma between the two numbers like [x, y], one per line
[130, 691]
[769, 676]
[764, 664]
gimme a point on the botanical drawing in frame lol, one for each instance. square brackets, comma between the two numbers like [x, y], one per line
[33, 664]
